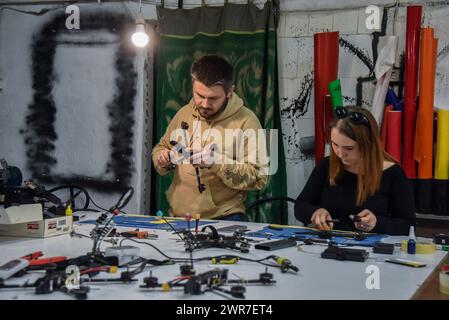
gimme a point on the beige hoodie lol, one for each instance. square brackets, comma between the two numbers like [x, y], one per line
[227, 180]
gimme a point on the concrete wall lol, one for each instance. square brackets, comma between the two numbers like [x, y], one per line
[84, 86]
[295, 42]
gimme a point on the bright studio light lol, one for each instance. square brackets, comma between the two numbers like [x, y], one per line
[140, 38]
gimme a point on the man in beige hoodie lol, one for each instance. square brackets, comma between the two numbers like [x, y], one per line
[215, 145]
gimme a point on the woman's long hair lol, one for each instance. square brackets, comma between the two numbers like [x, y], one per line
[372, 154]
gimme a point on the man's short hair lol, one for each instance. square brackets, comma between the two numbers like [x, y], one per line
[213, 70]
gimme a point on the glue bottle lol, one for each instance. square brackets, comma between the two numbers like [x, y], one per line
[411, 244]
[69, 211]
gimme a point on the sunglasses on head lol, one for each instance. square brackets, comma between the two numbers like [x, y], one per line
[354, 116]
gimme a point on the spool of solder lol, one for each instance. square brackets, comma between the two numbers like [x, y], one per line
[422, 247]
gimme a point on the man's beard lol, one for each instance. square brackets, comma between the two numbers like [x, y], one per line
[223, 106]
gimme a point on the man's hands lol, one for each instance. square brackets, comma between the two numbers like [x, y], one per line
[199, 158]
[168, 157]
[364, 221]
[163, 158]
[203, 158]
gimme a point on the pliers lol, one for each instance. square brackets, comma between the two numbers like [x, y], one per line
[34, 260]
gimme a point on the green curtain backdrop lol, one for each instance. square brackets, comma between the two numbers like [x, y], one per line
[246, 36]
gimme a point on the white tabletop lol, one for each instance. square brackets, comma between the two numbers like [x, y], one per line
[317, 279]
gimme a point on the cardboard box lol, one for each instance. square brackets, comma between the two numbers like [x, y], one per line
[20, 214]
[38, 229]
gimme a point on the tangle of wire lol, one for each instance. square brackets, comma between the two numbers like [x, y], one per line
[260, 261]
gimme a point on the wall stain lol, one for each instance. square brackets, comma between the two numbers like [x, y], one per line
[443, 53]
[40, 135]
[299, 106]
[358, 52]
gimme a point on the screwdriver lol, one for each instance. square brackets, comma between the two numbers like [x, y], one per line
[332, 221]
[196, 216]
[285, 264]
[138, 234]
[225, 259]
[201, 186]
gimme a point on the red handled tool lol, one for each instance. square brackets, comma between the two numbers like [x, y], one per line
[34, 260]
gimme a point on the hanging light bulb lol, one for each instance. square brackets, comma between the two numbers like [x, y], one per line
[139, 37]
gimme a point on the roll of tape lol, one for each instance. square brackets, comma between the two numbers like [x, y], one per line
[421, 247]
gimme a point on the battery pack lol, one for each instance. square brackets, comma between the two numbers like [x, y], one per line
[342, 254]
[277, 244]
[385, 248]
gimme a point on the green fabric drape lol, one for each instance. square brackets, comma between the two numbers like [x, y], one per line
[246, 36]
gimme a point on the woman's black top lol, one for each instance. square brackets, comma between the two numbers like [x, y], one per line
[393, 204]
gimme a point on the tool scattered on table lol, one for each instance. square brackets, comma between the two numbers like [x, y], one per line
[213, 239]
[212, 280]
[134, 234]
[383, 248]
[152, 222]
[35, 259]
[225, 259]
[105, 223]
[338, 237]
[349, 254]
[277, 244]
[188, 269]
[197, 217]
[405, 262]
[12, 267]
[201, 186]
[52, 281]
[233, 228]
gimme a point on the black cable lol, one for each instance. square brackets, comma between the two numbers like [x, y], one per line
[263, 200]
[149, 244]
[203, 258]
[90, 198]
[173, 228]
[85, 192]
[72, 198]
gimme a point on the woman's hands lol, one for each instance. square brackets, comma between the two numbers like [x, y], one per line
[364, 221]
[321, 218]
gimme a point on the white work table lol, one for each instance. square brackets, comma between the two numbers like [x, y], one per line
[317, 279]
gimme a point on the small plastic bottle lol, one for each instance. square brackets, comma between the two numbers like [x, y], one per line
[411, 244]
[69, 211]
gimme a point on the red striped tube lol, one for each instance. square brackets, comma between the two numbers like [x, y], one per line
[411, 77]
[325, 70]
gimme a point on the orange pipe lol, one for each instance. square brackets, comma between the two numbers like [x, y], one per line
[423, 148]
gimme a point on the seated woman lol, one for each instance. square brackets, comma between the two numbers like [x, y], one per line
[359, 183]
